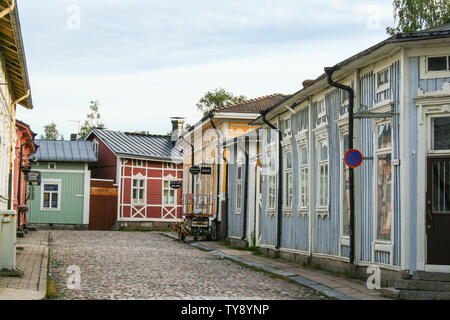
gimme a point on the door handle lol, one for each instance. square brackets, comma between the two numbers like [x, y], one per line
[429, 215]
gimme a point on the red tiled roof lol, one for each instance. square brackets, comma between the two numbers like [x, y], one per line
[254, 105]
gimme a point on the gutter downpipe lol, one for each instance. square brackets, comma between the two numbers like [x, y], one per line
[247, 167]
[12, 122]
[280, 185]
[219, 137]
[329, 72]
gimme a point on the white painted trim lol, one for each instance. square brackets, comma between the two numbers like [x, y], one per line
[51, 181]
[148, 220]
[329, 256]
[425, 74]
[87, 194]
[102, 180]
[437, 268]
[305, 253]
[59, 171]
[230, 115]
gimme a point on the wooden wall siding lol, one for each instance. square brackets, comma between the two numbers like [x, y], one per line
[71, 211]
[235, 221]
[327, 228]
[367, 98]
[426, 85]
[268, 222]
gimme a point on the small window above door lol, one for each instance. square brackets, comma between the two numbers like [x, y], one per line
[440, 134]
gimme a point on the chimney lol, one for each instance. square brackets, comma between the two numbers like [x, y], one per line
[73, 137]
[177, 127]
[307, 83]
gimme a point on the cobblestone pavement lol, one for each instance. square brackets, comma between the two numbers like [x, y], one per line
[146, 265]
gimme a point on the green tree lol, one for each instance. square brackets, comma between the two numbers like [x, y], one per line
[92, 120]
[51, 133]
[217, 98]
[415, 15]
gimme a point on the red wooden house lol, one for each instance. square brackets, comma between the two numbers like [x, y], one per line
[142, 166]
[24, 147]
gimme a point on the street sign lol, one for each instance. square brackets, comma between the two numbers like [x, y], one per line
[353, 158]
[176, 184]
[206, 170]
[195, 170]
[33, 178]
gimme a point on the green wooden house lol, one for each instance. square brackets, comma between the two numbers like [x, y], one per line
[62, 199]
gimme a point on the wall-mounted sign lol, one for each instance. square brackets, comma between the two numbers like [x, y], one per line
[33, 178]
[175, 184]
[194, 170]
[353, 158]
[206, 170]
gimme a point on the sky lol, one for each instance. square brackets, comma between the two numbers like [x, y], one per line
[146, 61]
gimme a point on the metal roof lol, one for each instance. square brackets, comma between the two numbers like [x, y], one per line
[139, 145]
[64, 151]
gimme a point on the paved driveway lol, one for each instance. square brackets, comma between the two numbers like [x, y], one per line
[146, 265]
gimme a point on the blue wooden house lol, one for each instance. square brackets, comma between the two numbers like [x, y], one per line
[296, 200]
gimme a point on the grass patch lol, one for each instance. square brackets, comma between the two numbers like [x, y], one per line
[51, 292]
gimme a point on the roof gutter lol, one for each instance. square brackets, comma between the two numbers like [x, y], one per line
[329, 72]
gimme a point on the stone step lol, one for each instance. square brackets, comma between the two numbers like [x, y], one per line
[424, 295]
[391, 293]
[422, 285]
[431, 276]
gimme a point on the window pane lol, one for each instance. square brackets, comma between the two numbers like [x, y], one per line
[166, 196]
[441, 127]
[166, 184]
[134, 194]
[346, 201]
[51, 187]
[141, 183]
[134, 183]
[239, 173]
[46, 200]
[384, 136]
[304, 156]
[437, 63]
[323, 150]
[54, 200]
[288, 160]
[384, 201]
[346, 143]
[141, 194]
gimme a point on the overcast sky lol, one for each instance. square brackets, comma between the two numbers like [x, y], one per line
[146, 61]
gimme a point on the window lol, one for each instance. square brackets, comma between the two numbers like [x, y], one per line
[271, 185]
[51, 195]
[95, 147]
[346, 188]
[323, 174]
[321, 111]
[288, 177]
[138, 191]
[238, 188]
[384, 181]
[52, 165]
[139, 163]
[169, 194]
[344, 97]
[303, 177]
[383, 79]
[287, 126]
[440, 133]
[170, 166]
[441, 63]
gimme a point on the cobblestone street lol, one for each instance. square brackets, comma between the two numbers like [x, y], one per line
[136, 265]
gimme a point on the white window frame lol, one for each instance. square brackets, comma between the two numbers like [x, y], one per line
[50, 164]
[425, 74]
[95, 144]
[138, 188]
[321, 113]
[430, 141]
[170, 190]
[343, 131]
[288, 190]
[239, 167]
[322, 135]
[57, 182]
[271, 176]
[169, 165]
[302, 142]
[139, 163]
[382, 245]
[287, 129]
[384, 86]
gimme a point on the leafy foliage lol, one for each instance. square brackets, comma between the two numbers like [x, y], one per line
[414, 15]
[92, 120]
[51, 133]
[217, 98]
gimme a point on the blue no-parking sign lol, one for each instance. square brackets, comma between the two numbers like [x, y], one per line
[353, 158]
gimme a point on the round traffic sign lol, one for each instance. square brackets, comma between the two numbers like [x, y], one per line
[353, 158]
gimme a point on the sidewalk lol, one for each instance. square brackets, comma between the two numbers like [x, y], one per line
[32, 259]
[341, 288]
